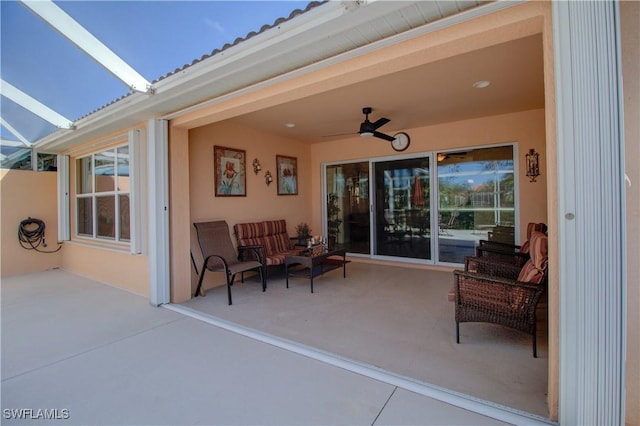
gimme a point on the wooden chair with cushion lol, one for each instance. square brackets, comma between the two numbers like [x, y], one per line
[498, 296]
[220, 256]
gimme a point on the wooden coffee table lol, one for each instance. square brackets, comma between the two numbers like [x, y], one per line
[310, 263]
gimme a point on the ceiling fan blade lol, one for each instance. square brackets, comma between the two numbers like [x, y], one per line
[383, 136]
[380, 122]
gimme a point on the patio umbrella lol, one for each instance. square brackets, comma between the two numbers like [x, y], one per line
[417, 198]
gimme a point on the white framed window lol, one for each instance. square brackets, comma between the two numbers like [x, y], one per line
[103, 194]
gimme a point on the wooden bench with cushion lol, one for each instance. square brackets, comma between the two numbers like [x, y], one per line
[270, 236]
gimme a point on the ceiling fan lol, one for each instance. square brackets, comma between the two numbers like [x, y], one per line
[368, 129]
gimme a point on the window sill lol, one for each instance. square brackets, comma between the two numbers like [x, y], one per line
[99, 244]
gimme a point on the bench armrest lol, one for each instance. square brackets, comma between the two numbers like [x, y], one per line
[252, 252]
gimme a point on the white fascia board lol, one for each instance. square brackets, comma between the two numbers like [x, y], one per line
[87, 42]
[34, 106]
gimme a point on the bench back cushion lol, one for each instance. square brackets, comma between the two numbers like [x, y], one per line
[271, 234]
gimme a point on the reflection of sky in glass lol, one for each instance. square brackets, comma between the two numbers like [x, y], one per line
[474, 173]
[402, 177]
[105, 163]
[123, 170]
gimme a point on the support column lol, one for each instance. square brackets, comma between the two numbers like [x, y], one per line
[157, 149]
[591, 227]
[181, 229]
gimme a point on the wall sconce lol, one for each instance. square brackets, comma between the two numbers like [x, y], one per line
[533, 169]
[268, 178]
[256, 166]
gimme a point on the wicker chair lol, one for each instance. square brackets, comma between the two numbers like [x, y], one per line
[220, 256]
[495, 294]
[510, 252]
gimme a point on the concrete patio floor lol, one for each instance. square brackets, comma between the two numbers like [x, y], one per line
[86, 353]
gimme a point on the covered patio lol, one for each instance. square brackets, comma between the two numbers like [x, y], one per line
[397, 319]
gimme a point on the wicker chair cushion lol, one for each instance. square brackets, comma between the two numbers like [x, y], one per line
[531, 227]
[533, 271]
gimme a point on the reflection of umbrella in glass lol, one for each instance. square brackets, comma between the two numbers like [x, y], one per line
[417, 199]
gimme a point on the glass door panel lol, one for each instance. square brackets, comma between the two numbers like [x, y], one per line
[402, 224]
[348, 216]
[476, 200]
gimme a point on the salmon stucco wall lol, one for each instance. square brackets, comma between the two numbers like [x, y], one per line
[28, 194]
[114, 267]
[262, 201]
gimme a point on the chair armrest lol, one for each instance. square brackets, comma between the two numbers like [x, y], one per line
[498, 280]
[205, 264]
[489, 250]
[501, 253]
[293, 242]
[251, 247]
[492, 266]
[498, 245]
[484, 290]
[252, 252]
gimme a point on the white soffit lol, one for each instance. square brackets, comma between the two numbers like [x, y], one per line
[86, 41]
[33, 105]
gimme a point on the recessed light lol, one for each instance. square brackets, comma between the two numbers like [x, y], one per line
[290, 125]
[481, 84]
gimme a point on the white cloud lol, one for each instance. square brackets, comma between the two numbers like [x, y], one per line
[214, 25]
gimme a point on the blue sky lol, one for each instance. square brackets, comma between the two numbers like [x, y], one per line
[154, 37]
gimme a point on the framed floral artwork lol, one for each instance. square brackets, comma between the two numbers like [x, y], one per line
[287, 168]
[230, 177]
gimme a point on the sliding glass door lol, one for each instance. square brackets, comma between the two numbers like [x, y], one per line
[402, 206]
[476, 200]
[385, 207]
[348, 219]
